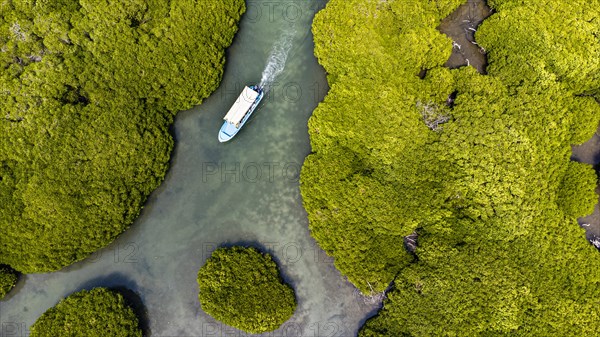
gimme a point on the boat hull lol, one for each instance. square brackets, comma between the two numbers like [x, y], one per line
[227, 132]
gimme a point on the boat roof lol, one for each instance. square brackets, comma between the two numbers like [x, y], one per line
[241, 106]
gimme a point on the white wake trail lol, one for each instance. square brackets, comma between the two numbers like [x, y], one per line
[276, 62]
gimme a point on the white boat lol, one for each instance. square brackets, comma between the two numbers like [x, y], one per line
[240, 112]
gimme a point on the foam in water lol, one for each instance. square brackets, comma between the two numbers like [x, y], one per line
[276, 61]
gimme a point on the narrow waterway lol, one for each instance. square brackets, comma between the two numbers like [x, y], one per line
[245, 191]
[461, 26]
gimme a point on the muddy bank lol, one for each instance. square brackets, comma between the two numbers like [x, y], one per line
[461, 26]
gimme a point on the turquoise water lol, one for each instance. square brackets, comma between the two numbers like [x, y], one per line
[245, 191]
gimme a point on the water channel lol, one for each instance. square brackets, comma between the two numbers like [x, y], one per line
[245, 191]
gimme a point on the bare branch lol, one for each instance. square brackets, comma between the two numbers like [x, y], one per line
[433, 115]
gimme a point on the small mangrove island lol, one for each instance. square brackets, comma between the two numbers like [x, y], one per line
[99, 312]
[242, 287]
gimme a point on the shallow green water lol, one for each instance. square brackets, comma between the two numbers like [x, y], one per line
[245, 191]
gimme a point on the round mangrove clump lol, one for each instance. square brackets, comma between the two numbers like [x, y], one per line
[241, 287]
[98, 312]
[8, 279]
